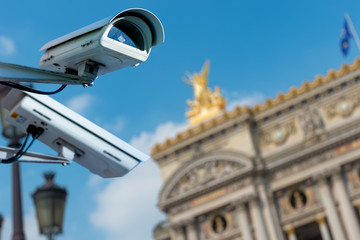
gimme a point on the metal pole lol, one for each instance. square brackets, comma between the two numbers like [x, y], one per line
[51, 237]
[352, 30]
[18, 73]
[1, 224]
[18, 232]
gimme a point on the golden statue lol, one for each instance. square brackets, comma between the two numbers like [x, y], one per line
[219, 224]
[299, 200]
[206, 104]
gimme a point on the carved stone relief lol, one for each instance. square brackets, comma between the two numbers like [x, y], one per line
[303, 165]
[205, 174]
[218, 224]
[310, 192]
[306, 163]
[312, 124]
[205, 228]
[297, 199]
[184, 206]
[279, 134]
[352, 174]
[344, 107]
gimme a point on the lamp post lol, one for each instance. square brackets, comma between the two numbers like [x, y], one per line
[49, 202]
[11, 133]
[1, 222]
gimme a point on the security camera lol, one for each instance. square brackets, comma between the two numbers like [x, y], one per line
[72, 136]
[105, 46]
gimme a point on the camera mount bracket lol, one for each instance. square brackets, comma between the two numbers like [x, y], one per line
[17, 73]
[32, 157]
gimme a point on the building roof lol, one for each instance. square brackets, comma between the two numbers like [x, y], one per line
[259, 108]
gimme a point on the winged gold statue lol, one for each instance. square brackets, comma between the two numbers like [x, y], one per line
[206, 103]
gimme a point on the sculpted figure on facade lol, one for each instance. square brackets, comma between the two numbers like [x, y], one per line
[225, 168]
[230, 215]
[205, 174]
[310, 193]
[284, 206]
[206, 103]
[298, 200]
[285, 185]
[311, 123]
[293, 201]
[217, 224]
[205, 228]
[211, 170]
[353, 176]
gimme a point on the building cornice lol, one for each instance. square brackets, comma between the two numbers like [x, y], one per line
[269, 104]
[202, 131]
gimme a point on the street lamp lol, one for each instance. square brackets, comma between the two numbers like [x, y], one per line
[49, 202]
[1, 222]
[11, 133]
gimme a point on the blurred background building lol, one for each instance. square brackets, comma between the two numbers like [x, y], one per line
[286, 169]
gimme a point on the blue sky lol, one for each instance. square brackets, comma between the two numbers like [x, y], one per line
[256, 48]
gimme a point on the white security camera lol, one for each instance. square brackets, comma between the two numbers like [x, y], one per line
[72, 136]
[105, 46]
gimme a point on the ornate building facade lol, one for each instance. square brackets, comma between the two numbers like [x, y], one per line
[286, 169]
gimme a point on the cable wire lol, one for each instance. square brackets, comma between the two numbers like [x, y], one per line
[30, 144]
[29, 89]
[35, 133]
[18, 154]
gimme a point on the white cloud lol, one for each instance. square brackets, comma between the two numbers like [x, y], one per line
[6, 228]
[94, 180]
[81, 103]
[7, 46]
[117, 125]
[31, 229]
[31, 226]
[244, 100]
[126, 207]
[147, 140]
[128, 204]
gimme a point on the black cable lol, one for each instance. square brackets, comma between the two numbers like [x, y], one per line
[29, 89]
[30, 144]
[17, 155]
[35, 133]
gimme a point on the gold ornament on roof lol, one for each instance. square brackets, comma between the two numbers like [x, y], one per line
[294, 92]
[206, 104]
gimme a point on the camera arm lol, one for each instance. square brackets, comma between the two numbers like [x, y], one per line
[32, 157]
[17, 73]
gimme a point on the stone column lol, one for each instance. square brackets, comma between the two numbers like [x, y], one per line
[270, 215]
[325, 234]
[331, 211]
[190, 229]
[177, 232]
[172, 233]
[350, 220]
[259, 226]
[290, 232]
[244, 222]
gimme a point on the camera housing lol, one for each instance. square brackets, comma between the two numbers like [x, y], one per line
[105, 46]
[71, 135]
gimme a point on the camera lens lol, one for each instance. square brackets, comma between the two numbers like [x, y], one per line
[118, 35]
